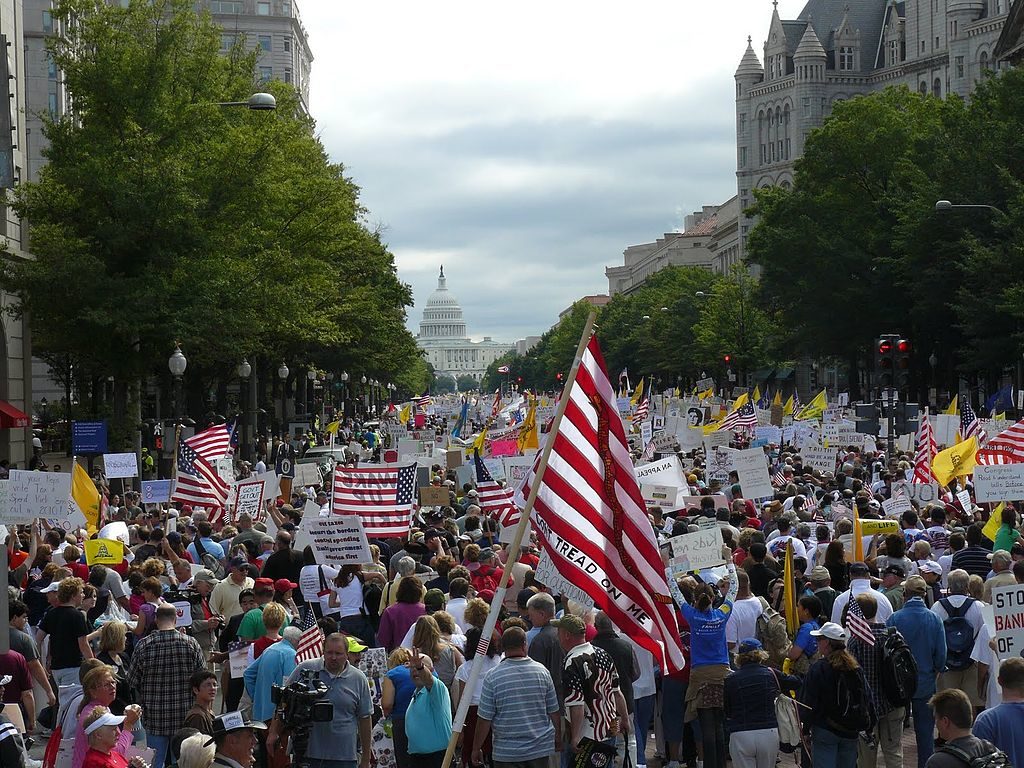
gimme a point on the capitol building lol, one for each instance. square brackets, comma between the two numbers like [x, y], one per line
[444, 341]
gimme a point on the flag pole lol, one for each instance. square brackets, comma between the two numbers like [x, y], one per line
[513, 551]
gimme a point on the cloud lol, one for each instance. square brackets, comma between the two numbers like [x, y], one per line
[526, 145]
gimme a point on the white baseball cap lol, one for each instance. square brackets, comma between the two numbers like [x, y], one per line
[831, 630]
[105, 719]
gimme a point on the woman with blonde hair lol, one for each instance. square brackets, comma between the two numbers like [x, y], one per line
[274, 617]
[426, 638]
[197, 751]
[113, 636]
[100, 688]
[397, 690]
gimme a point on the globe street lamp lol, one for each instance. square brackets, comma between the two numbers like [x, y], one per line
[310, 378]
[945, 206]
[282, 374]
[257, 102]
[244, 372]
[344, 394]
[177, 363]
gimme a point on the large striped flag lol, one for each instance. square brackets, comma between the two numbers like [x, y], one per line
[857, 624]
[970, 424]
[196, 481]
[642, 411]
[493, 500]
[592, 521]
[925, 451]
[381, 496]
[311, 642]
[742, 417]
[1005, 448]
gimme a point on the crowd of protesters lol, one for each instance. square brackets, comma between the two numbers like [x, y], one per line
[100, 655]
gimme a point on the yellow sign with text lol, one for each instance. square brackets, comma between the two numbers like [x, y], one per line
[103, 552]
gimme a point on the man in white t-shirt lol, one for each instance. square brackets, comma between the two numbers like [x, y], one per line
[456, 606]
[777, 546]
[746, 608]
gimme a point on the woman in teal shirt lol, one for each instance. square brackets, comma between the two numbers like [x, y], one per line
[1007, 535]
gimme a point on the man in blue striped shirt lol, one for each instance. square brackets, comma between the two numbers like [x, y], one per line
[519, 704]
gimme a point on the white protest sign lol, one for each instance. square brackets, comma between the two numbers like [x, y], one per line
[226, 470]
[821, 459]
[40, 494]
[715, 439]
[752, 469]
[945, 427]
[116, 531]
[496, 467]
[516, 469]
[548, 575]
[770, 433]
[664, 472]
[920, 493]
[248, 499]
[999, 482]
[720, 464]
[659, 494]
[120, 465]
[183, 610]
[897, 505]
[646, 432]
[686, 502]
[964, 497]
[1008, 611]
[238, 660]
[306, 475]
[695, 551]
[339, 539]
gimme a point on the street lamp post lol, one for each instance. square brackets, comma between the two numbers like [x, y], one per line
[244, 372]
[282, 374]
[310, 378]
[344, 394]
[365, 398]
[944, 206]
[177, 363]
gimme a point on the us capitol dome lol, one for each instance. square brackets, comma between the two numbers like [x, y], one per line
[446, 344]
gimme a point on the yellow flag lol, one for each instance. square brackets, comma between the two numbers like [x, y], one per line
[528, 432]
[956, 461]
[740, 401]
[814, 409]
[858, 538]
[995, 520]
[480, 442]
[637, 393]
[953, 410]
[757, 394]
[778, 397]
[712, 427]
[103, 552]
[789, 592]
[709, 392]
[787, 409]
[85, 495]
[1000, 416]
[332, 428]
[677, 394]
[405, 414]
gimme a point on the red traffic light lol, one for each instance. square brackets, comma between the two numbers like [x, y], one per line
[884, 347]
[558, 376]
[903, 347]
[727, 357]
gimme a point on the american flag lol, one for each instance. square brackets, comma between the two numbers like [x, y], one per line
[494, 501]
[642, 411]
[1005, 448]
[197, 481]
[381, 496]
[778, 478]
[925, 451]
[970, 424]
[311, 643]
[592, 521]
[856, 624]
[743, 416]
[424, 401]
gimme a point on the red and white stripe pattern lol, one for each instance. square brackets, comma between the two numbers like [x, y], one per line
[925, 451]
[493, 500]
[642, 411]
[424, 401]
[381, 496]
[496, 405]
[856, 623]
[1005, 448]
[970, 424]
[196, 480]
[311, 642]
[592, 521]
[742, 418]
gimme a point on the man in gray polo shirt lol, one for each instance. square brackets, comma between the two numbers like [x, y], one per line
[334, 744]
[517, 702]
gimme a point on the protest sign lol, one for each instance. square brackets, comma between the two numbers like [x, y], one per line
[752, 469]
[821, 459]
[248, 499]
[659, 494]
[1008, 611]
[431, 496]
[504, 448]
[118, 530]
[103, 552]
[156, 491]
[41, 494]
[719, 464]
[496, 466]
[646, 432]
[897, 505]
[715, 439]
[453, 458]
[871, 527]
[999, 482]
[946, 428]
[117, 465]
[339, 539]
[664, 472]
[238, 661]
[920, 493]
[695, 551]
[771, 433]
[964, 497]
[307, 474]
[183, 612]
[516, 469]
[685, 502]
[548, 575]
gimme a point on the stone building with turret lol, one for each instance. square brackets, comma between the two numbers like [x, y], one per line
[837, 49]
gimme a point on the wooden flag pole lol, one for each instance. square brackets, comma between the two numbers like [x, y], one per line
[513, 551]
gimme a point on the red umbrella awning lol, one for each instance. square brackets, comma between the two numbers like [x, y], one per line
[11, 417]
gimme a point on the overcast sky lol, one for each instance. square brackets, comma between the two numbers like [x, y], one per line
[525, 145]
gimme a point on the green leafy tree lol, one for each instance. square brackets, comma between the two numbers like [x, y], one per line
[443, 384]
[467, 383]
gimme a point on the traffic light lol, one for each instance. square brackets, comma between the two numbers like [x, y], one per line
[885, 359]
[727, 358]
[558, 376]
[901, 367]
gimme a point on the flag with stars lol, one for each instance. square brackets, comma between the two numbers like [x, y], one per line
[742, 418]
[197, 480]
[857, 624]
[311, 642]
[970, 424]
[494, 500]
[382, 497]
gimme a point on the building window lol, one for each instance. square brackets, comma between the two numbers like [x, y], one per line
[263, 8]
[47, 21]
[922, 46]
[936, 43]
[937, 88]
[288, 75]
[984, 61]
[227, 42]
[52, 100]
[894, 50]
[952, 29]
[51, 68]
[266, 74]
[846, 58]
[743, 157]
[266, 43]
[923, 88]
[226, 6]
[287, 45]
[959, 66]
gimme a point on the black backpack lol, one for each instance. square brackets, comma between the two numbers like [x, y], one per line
[959, 634]
[371, 602]
[996, 758]
[898, 669]
[851, 711]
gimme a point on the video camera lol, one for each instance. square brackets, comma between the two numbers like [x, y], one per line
[302, 703]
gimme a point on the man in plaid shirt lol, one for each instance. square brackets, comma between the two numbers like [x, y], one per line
[159, 673]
